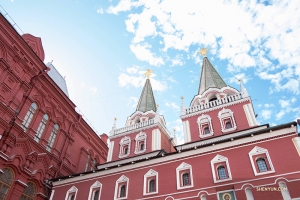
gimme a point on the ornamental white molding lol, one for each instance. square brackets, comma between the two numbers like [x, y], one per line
[72, 190]
[258, 151]
[220, 159]
[205, 119]
[150, 173]
[197, 110]
[225, 114]
[126, 141]
[122, 179]
[95, 186]
[140, 137]
[182, 167]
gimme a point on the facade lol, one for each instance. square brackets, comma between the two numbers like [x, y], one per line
[227, 155]
[41, 134]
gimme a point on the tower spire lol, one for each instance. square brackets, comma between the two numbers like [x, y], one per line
[147, 101]
[210, 78]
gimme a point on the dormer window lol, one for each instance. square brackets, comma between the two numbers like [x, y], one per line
[205, 126]
[227, 120]
[124, 147]
[140, 143]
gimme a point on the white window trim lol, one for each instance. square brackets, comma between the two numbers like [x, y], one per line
[257, 151]
[221, 118]
[96, 185]
[72, 190]
[181, 167]
[220, 159]
[122, 179]
[150, 173]
[201, 133]
[142, 136]
[124, 141]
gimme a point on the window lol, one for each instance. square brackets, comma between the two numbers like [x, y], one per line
[6, 179]
[121, 188]
[41, 128]
[29, 192]
[206, 130]
[71, 193]
[260, 161]
[220, 169]
[87, 162]
[95, 191]
[228, 125]
[71, 197]
[151, 185]
[186, 179]
[52, 137]
[122, 192]
[140, 143]
[261, 164]
[205, 126]
[184, 176]
[150, 182]
[227, 120]
[124, 147]
[221, 172]
[29, 115]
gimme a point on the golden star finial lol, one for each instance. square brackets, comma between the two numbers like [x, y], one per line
[115, 119]
[182, 97]
[203, 52]
[148, 73]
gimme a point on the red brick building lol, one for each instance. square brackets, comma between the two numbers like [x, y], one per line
[41, 134]
[226, 154]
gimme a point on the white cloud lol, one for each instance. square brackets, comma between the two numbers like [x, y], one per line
[266, 114]
[132, 102]
[132, 70]
[268, 105]
[142, 52]
[245, 33]
[178, 60]
[100, 10]
[280, 115]
[237, 77]
[172, 105]
[93, 89]
[138, 80]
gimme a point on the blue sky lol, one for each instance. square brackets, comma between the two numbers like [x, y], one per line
[104, 47]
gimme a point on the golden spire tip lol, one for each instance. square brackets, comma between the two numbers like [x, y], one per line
[148, 73]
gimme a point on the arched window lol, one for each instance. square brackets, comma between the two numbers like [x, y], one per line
[261, 164]
[122, 191]
[140, 143]
[152, 185]
[29, 192]
[52, 137]
[126, 150]
[6, 179]
[222, 172]
[124, 147]
[205, 126]
[41, 128]
[29, 115]
[96, 194]
[186, 179]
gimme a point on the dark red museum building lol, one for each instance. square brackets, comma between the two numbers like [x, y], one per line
[227, 155]
[41, 135]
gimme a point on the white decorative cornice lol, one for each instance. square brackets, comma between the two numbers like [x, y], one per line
[215, 108]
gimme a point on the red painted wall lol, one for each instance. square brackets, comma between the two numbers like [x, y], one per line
[240, 167]
[24, 80]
